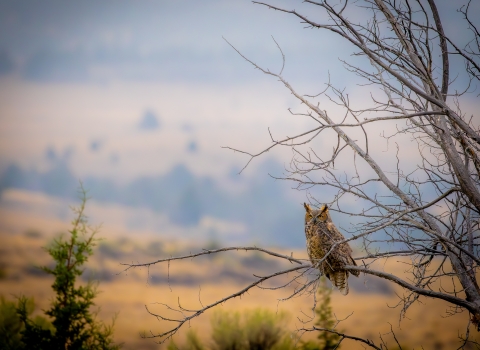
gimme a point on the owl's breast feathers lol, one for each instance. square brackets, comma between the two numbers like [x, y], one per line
[320, 239]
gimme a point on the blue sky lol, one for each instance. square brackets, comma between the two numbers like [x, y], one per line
[147, 40]
[78, 73]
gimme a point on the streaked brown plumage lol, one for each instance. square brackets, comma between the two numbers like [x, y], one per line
[321, 234]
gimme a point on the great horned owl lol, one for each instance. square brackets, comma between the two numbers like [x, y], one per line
[321, 234]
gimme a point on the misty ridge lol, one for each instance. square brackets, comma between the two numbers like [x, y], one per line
[185, 197]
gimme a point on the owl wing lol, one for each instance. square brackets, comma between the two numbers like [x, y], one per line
[344, 250]
[340, 256]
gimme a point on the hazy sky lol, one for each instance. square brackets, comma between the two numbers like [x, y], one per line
[122, 88]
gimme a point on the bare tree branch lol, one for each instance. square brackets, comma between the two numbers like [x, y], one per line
[421, 205]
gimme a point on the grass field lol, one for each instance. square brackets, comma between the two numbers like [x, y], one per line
[368, 309]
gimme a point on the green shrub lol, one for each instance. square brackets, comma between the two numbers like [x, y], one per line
[227, 334]
[263, 328]
[193, 343]
[11, 324]
[252, 330]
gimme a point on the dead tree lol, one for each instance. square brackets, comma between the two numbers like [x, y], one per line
[428, 207]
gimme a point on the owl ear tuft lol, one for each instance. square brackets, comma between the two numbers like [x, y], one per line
[324, 209]
[307, 207]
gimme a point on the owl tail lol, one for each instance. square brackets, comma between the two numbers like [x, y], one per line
[340, 280]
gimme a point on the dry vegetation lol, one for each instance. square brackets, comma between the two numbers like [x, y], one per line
[209, 278]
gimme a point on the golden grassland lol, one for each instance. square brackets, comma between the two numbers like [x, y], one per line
[367, 311]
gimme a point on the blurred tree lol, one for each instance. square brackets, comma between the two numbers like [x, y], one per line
[74, 325]
[326, 319]
[326, 339]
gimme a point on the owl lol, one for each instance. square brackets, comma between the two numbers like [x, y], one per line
[321, 234]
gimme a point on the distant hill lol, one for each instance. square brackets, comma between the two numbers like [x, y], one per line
[263, 204]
